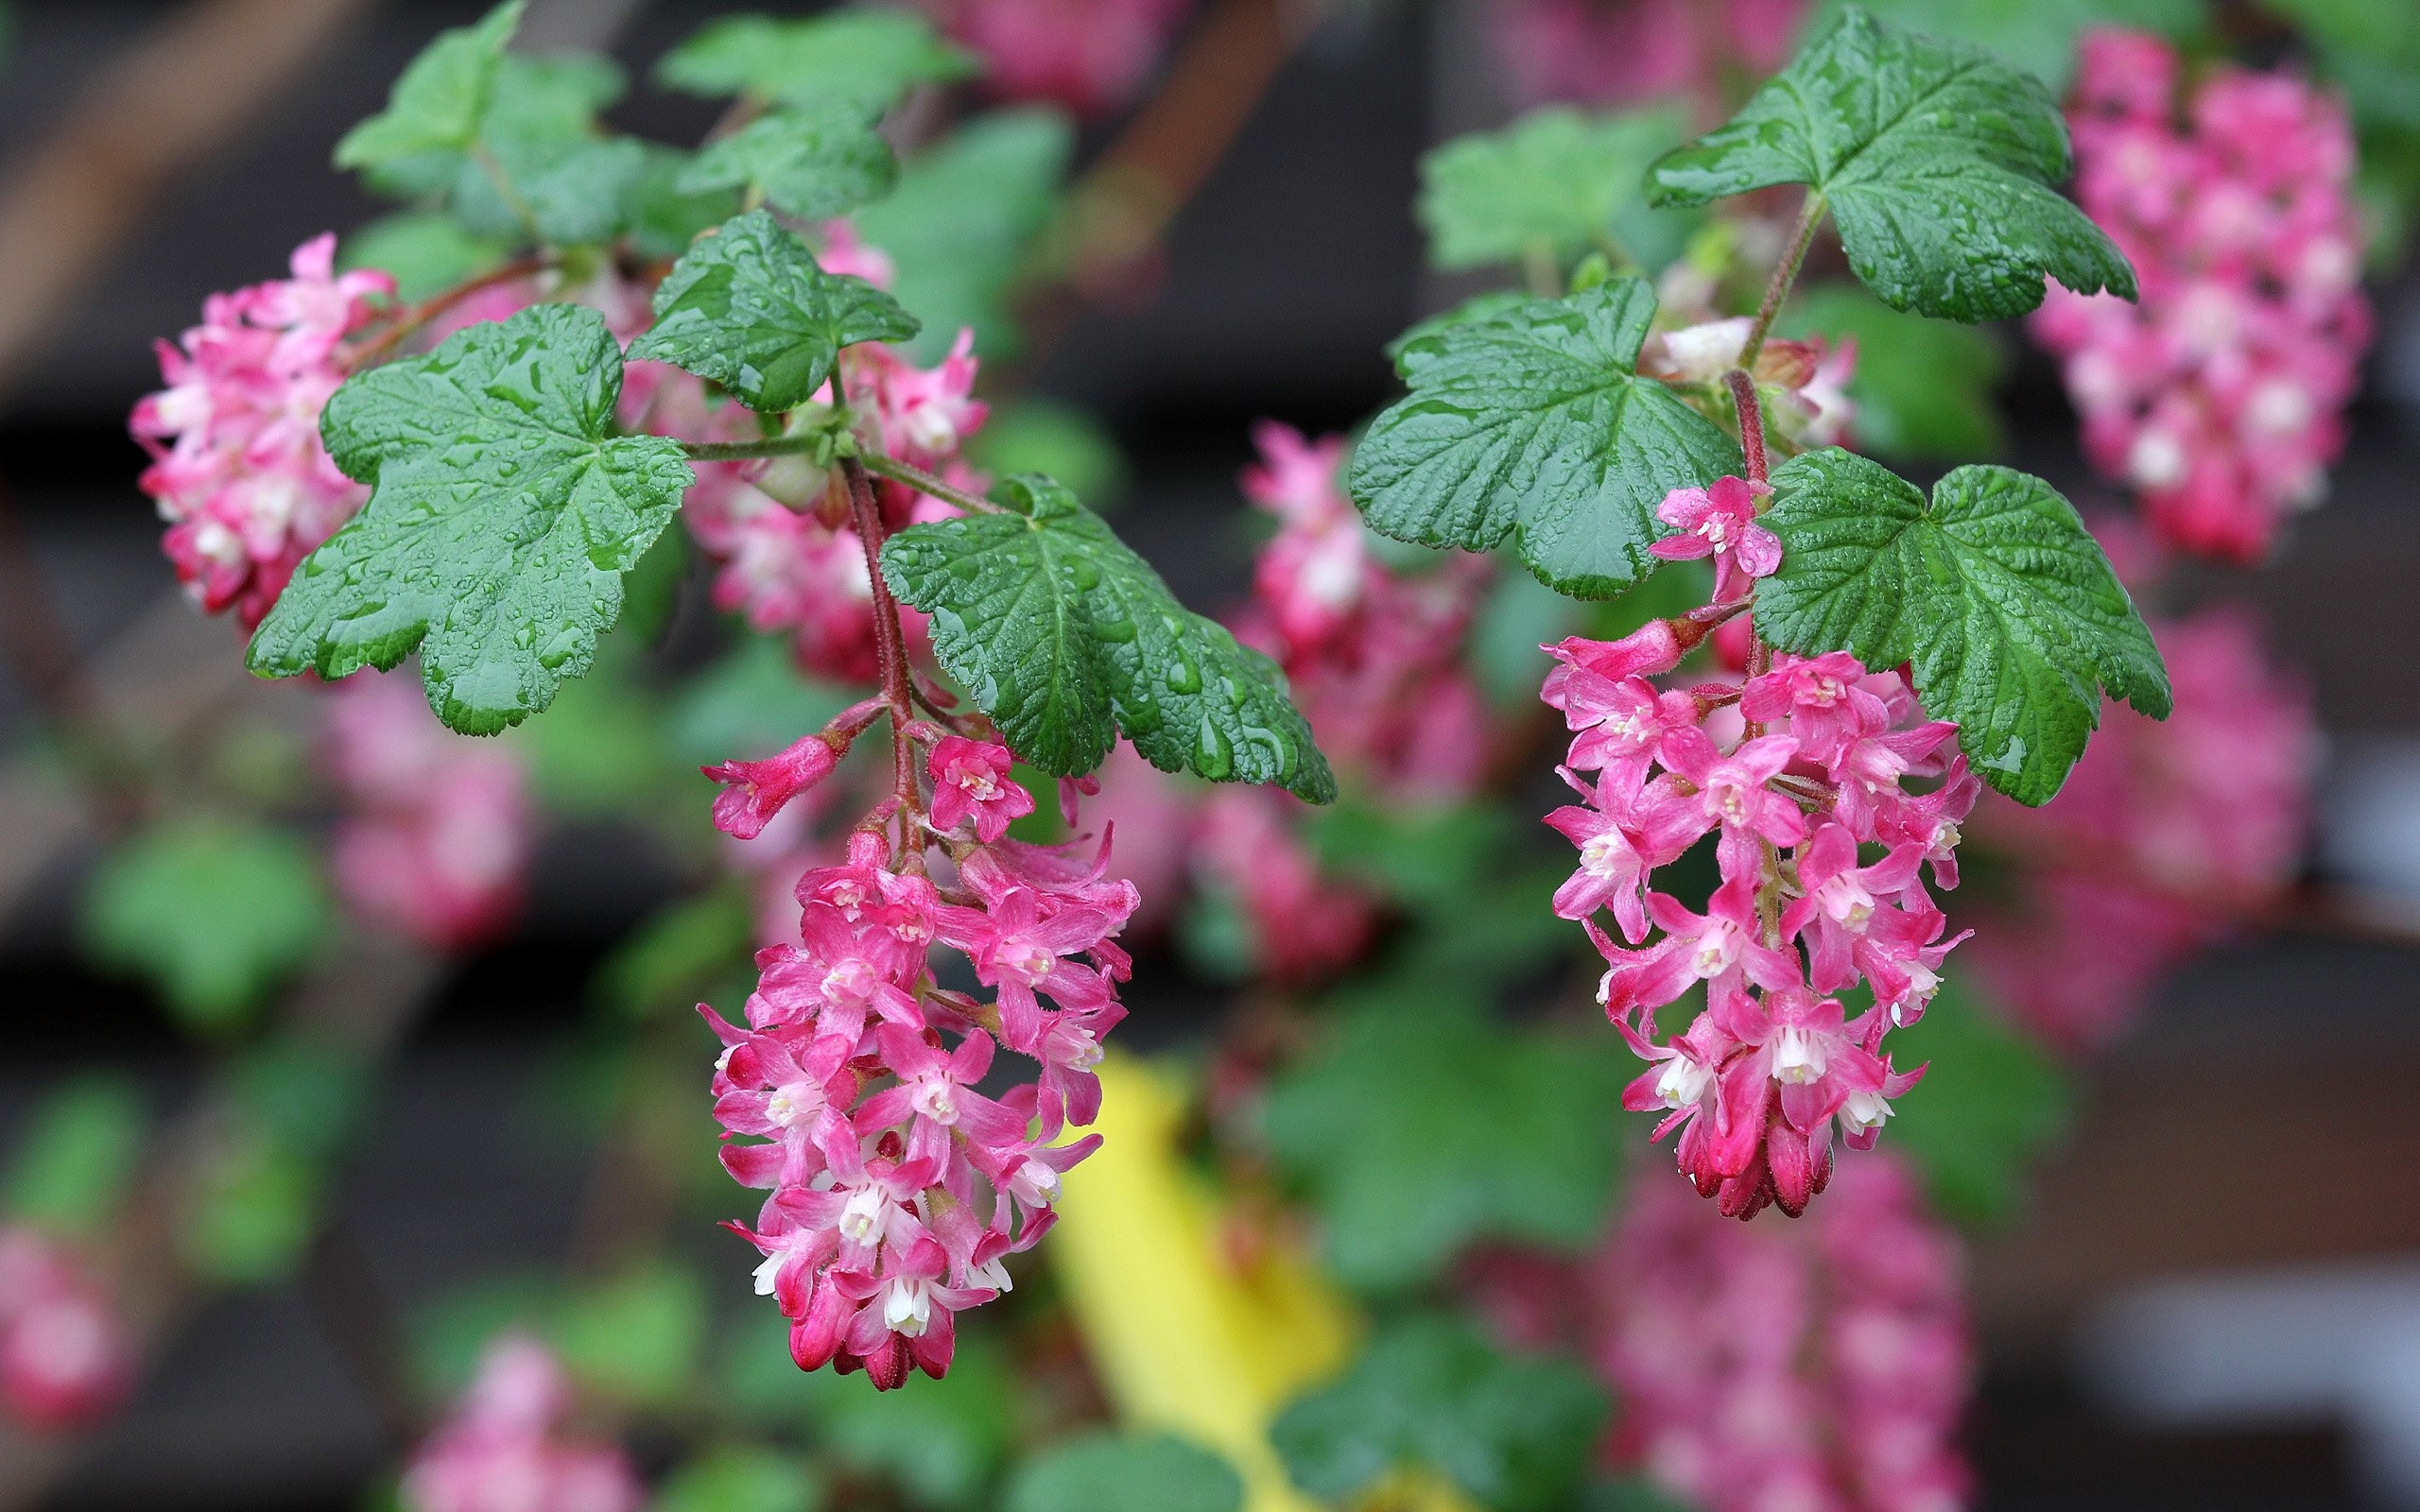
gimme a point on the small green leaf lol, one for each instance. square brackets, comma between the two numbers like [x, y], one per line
[213, 913]
[435, 104]
[1421, 1124]
[1518, 1434]
[252, 1214]
[682, 953]
[2012, 618]
[747, 308]
[964, 221]
[864, 57]
[1923, 388]
[1553, 181]
[77, 1156]
[662, 217]
[636, 1337]
[1066, 637]
[1990, 1106]
[1531, 422]
[1113, 1472]
[749, 704]
[1029, 434]
[741, 1478]
[424, 251]
[1936, 160]
[502, 518]
[813, 163]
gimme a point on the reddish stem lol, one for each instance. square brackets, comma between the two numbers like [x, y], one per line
[412, 317]
[890, 646]
[1752, 423]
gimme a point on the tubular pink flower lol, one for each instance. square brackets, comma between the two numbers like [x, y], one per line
[504, 1448]
[754, 792]
[1720, 521]
[971, 780]
[66, 1357]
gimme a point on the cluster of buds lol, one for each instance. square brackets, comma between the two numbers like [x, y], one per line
[2164, 836]
[1793, 769]
[238, 469]
[505, 1448]
[896, 1189]
[65, 1360]
[2220, 396]
[1820, 1366]
[1616, 52]
[436, 835]
[789, 558]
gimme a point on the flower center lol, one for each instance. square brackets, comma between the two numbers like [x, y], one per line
[1798, 1056]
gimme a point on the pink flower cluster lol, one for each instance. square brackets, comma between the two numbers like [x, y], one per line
[435, 839]
[1373, 659]
[65, 1359]
[505, 1447]
[1819, 1367]
[789, 561]
[1794, 771]
[236, 469]
[1091, 56]
[2220, 396]
[2164, 836]
[896, 1187]
[1614, 52]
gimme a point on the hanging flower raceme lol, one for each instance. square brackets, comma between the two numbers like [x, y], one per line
[1091, 56]
[238, 469]
[2220, 395]
[65, 1358]
[505, 1447]
[437, 831]
[1794, 773]
[895, 1188]
[1614, 52]
[1820, 1367]
[2165, 837]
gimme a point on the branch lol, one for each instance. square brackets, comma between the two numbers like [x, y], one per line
[1811, 215]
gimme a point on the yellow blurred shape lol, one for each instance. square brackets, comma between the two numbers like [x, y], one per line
[1185, 1336]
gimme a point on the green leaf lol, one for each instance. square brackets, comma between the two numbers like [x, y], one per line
[252, 1214]
[1066, 637]
[1421, 1124]
[1990, 1106]
[425, 250]
[435, 104]
[2038, 35]
[1113, 1472]
[748, 308]
[1035, 434]
[1518, 1434]
[813, 163]
[1551, 183]
[679, 955]
[636, 1337]
[1995, 591]
[740, 1478]
[749, 704]
[662, 217]
[939, 1443]
[965, 219]
[863, 57]
[77, 1156]
[1936, 160]
[1923, 388]
[502, 518]
[212, 912]
[1532, 423]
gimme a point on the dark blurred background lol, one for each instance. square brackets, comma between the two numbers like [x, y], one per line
[2262, 1124]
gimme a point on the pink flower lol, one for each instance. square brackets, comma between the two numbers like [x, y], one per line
[1720, 947]
[238, 469]
[1720, 521]
[1840, 899]
[1316, 574]
[437, 831]
[754, 792]
[2220, 394]
[1732, 790]
[1620, 839]
[1609, 52]
[505, 1448]
[66, 1359]
[971, 779]
[919, 414]
[1089, 56]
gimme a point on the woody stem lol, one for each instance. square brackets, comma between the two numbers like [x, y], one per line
[889, 649]
[1811, 215]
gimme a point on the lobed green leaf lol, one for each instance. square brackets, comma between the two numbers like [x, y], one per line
[813, 163]
[435, 104]
[1935, 158]
[1530, 421]
[748, 308]
[212, 912]
[866, 57]
[1113, 1472]
[501, 519]
[2012, 618]
[1066, 637]
[1554, 182]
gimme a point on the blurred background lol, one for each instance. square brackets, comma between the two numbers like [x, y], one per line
[2206, 1293]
